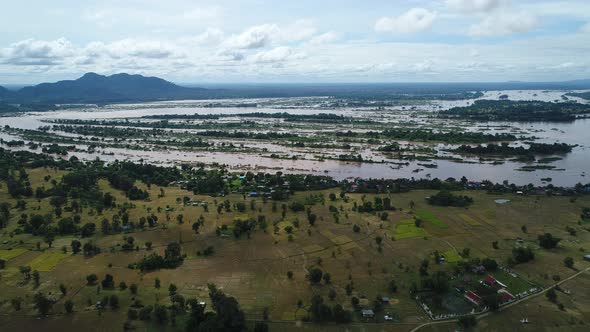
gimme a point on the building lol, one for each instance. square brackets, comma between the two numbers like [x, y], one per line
[367, 313]
[587, 258]
[492, 282]
[505, 296]
[473, 298]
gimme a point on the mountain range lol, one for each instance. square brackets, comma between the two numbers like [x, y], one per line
[93, 88]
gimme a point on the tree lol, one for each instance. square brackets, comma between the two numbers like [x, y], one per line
[290, 274]
[327, 277]
[172, 289]
[69, 306]
[319, 311]
[108, 282]
[311, 218]
[42, 303]
[489, 264]
[157, 282]
[25, 271]
[332, 294]
[356, 228]
[332, 196]
[63, 289]
[260, 327]
[91, 279]
[392, 286]
[467, 322]
[340, 315]
[133, 289]
[315, 275]
[551, 295]
[36, 278]
[76, 245]
[569, 262]
[547, 241]
[114, 302]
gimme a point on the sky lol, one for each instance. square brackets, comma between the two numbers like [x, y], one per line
[297, 41]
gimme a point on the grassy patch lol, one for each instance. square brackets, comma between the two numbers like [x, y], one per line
[431, 218]
[10, 254]
[407, 230]
[469, 220]
[451, 256]
[47, 261]
[515, 284]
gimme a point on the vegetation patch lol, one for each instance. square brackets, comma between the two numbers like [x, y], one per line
[10, 254]
[451, 256]
[47, 261]
[431, 218]
[407, 230]
[469, 220]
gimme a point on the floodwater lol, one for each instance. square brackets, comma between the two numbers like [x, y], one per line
[573, 168]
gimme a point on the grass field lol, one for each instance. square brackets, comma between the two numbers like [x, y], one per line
[10, 254]
[431, 218]
[254, 268]
[47, 261]
[407, 230]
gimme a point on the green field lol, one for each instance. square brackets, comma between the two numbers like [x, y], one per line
[431, 218]
[407, 230]
[10, 254]
[47, 261]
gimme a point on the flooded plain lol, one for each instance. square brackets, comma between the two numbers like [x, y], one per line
[268, 155]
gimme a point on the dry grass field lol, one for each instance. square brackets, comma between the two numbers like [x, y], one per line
[254, 270]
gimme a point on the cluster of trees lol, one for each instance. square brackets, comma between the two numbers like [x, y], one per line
[319, 311]
[446, 198]
[379, 204]
[172, 259]
[507, 110]
[447, 137]
[505, 149]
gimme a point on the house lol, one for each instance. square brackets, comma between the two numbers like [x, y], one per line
[587, 258]
[367, 313]
[385, 299]
[473, 298]
[492, 282]
[478, 269]
[254, 194]
[505, 296]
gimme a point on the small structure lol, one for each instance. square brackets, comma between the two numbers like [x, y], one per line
[492, 282]
[385, 299]
[478, 269]
[587, 258]
[505, 296]
[367, 313]
[472, 297]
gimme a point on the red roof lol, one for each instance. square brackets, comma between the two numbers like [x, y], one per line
[490, 280]
[505, 296]
[473, 296]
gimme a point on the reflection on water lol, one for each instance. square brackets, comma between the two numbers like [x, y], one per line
[574, 165]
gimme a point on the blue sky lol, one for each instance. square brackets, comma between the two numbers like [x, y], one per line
[297, 41]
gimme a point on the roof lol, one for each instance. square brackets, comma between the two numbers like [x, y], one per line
[472, 295]
[505, 296]
[490, 280]
[367, 312]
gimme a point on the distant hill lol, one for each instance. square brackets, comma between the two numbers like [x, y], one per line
[119, 88]
[95, 88]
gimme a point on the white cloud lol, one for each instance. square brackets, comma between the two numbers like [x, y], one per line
[149, 49]
[38, 52]
[278, 54]
[211, 36]
[504, 23]
[586, 28]
[412, 21]
[297, 31]
[325, 38]
[254, 37]
[469, 6]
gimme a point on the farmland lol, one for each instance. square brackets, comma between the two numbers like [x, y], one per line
[267, 269]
